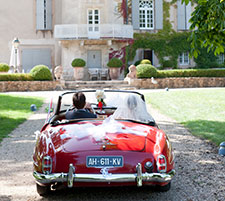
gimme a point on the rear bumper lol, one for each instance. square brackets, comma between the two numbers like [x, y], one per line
[71, 177]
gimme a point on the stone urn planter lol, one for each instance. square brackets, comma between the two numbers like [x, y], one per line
[114, 65]
[78, 66]
[114, 73]
[78, 73]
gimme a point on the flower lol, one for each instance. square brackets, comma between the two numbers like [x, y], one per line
[100, 96]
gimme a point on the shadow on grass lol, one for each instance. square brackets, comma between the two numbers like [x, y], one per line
[9, 124]
[14, 110]
[17, 103]
[211, 130]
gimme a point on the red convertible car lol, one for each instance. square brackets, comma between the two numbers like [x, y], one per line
[122, 146]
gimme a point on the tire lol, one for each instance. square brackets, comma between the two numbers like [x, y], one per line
[163, 188]
[43, 190]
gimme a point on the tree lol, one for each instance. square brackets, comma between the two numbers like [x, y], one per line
[124, 10]
[208, 26]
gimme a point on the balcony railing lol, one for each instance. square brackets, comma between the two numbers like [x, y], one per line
[83, 31]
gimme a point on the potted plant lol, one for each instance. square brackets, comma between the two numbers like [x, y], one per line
[114, 65]
[4, 68]
[78, 65]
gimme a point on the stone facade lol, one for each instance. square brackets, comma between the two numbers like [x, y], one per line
[89, 29]
[19, 20]
[92, 35]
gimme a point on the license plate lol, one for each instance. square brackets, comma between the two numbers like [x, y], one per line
[104, 161]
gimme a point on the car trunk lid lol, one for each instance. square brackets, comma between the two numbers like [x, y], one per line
[97, 135]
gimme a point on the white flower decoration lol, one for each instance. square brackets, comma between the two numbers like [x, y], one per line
[99, 94]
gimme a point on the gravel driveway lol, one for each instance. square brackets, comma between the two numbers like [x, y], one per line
[200, 171]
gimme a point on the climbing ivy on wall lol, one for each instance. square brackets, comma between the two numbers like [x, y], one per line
[167, 44]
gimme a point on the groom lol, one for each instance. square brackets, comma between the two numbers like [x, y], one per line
[79, 102]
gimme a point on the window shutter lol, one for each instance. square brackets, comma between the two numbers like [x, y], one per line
[48, 14]
[159, 14]
[39, 14]
[188, 15]
[180, 15]
[135, 14]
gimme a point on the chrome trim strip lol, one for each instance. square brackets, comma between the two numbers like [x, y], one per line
[70, 178]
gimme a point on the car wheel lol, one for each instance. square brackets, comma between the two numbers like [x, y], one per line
[164, 188]
[43, 190]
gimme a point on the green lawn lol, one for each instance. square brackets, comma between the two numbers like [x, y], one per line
[14, 110]
[200, 110]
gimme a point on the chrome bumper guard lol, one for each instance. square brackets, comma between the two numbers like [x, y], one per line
[71, 177]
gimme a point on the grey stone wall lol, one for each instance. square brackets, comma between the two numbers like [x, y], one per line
[159, 83]
[6, 86]
[188, 82]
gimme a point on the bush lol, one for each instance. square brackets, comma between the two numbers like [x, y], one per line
[137, 63]
[16, 77]
[191, 73]
[78, 63]
[168, 64]
[146, 71]
[41, 72]
[145, 61]
[206, 59]
[4, 67]
[115, 62]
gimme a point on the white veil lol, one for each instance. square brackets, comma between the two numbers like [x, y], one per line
[133, 108]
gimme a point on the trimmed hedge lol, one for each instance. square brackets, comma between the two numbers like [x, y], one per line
[41, 72]
[4, 67]
[145, 61]
[137, 63]
[78, 63]
[146, 71]
[15, 77]
[191, 73]
[115, 63]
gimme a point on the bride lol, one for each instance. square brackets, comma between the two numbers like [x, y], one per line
[133, 108]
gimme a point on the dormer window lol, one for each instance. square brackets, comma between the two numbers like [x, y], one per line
[44, 14]
[146, 14]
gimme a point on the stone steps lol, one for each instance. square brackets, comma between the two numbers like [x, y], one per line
[100, 84]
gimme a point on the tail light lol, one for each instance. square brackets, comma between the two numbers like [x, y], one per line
[47, 165]
[161, 164]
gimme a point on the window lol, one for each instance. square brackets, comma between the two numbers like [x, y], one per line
[93, 20]
[183, 15]
[44, 14]
[184, 58]
[146, 14]
[220, 59]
